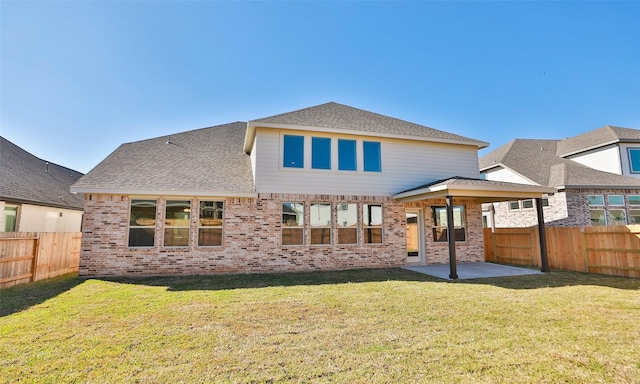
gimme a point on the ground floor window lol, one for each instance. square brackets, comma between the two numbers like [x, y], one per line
[320, 222]
[177, 221]
[597, 217]
[372, 220]
[210, 223]
[634, 216]
[347, 223]
[142, 223]
[617, 217]
[440, 224]
[10, 218]
[292, 223]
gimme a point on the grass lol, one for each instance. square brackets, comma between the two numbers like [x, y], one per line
[367, 326]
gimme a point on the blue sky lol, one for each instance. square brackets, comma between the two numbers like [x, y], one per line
[78, 78]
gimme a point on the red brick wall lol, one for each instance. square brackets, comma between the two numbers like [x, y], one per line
[251, 240]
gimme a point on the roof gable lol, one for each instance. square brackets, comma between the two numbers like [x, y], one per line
[27, 178]
[334, 117]
[597, 138]
[206, 161]
[537, 160]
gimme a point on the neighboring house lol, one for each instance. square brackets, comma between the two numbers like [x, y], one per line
[326, 187]
[596, 175]
[34, 193]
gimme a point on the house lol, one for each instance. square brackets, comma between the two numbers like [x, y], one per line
[34, 193]
[322, 188]
[596, 175]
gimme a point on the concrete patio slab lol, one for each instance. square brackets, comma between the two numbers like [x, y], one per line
[472, 270]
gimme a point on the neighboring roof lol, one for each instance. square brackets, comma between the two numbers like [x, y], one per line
[334, 117]
[205, 162]
[537, 161]
[482, 190]
[25, 178]
[597, 138]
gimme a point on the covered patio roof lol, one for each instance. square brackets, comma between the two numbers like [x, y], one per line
[482, 191]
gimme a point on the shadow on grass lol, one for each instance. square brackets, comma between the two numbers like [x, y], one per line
[224, 282]
[23, 296]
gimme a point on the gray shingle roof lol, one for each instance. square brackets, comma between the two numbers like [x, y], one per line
[204, 161]
[28, 179]
[537, 160]
[598, 137]
[338, 116]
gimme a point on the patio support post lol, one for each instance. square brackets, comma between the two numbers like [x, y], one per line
[543, 239]
[451, 236]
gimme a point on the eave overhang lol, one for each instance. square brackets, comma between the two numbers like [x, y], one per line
[162, 192]
[483, 191]
[251, 132]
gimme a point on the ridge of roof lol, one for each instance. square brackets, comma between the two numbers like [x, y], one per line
[596, 138]
[342, 117]
[27, 178]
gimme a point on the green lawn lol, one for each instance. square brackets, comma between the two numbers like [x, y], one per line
[366, 326]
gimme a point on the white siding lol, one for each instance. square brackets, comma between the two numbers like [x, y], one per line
[624, 159]
[405, 164]
[506, 175]
[34, 218]
[606, 159]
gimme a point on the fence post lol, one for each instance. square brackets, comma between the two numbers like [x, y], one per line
[34, 267]
[585, 257]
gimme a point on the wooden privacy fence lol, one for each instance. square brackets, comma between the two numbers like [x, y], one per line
[606, 250]
[31, 256]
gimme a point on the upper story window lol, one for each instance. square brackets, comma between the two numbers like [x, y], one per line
[634, 160]
[293, 151]
[177, 221]
[634, 199]
[320, 153]
[371, 152]
[142, 223]
[347, 155]
[615, 199]
[595, 199]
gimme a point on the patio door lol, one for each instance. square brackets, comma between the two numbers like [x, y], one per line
[414, 236]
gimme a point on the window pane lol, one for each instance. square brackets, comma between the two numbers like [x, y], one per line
[142, 222]
[141, 237]
[545, 202]
[320, 153]
[595, 199]
[292, 223]
[10, 218]
[143, 213]
[177, 221]
[210, 223]
[514, 205]
[634, 199]
[597, 217]
[634, 159]
[346, 155]
[440, 223]
[615, 199]
[209, 237]
[293, 151]
[618, 217]
[372, 218]
[634, 216]
[347, 223]
[371, 150]
[320, 216]
[527, 203]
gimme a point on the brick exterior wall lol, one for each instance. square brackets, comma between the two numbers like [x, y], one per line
[569, 208]
[252, 239]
